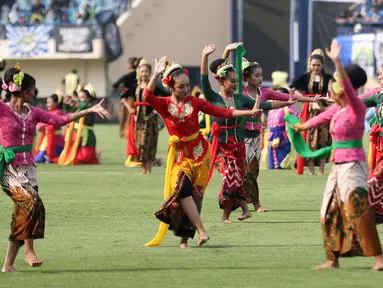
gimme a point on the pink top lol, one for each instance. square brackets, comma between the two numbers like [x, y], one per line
[346, 124]
[265, 95]
[275, 117]
[19, 130]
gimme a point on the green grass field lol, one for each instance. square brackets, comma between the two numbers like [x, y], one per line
[99, 217]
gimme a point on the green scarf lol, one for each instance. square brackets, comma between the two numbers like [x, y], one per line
[240, 52]
[304, 151]
[7, 155]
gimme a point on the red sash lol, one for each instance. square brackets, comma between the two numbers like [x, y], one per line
[215, 129]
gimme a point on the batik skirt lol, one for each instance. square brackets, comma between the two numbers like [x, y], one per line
[253, 159]
[231, 162]
[20, 183]
[348, 221]
[188, 179]
[279, 147]
[146, 138]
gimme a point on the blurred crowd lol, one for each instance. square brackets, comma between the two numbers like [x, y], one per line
[369, 11]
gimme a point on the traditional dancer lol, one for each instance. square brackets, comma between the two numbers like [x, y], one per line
[144, 126]
[253, 75]
[229, 134]
[376, 155]
[313, 83]
[18, 177]
[81, 145]
[187, 166]
[347, 219]
[279, 145]
[51, 142]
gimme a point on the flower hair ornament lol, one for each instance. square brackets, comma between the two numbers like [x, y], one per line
[221, 71]
[167, 78]
[16, 83]
[336, 88]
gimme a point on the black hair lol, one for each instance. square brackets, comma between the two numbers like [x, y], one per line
[74, 71]
[218, 62]
[175, 73]
[197, 94]
[74, 93]
[87, 93]
[132, 61]
[7, 97]
[56, 99]
[2, 65]
[357, 75]
[283, 90]
[136, 62]
[27, 83]
[250, 70]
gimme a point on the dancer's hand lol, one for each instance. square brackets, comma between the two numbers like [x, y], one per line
[208, 50]
[256, 108]
[291, 99]
[334, 51]
[299, 127]
[233, 46]
[100, 110]
[159, 66]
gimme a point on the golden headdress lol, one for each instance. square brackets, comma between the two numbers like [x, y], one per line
[318, 52]
[142, 62]
[280, 79]
[90, 89]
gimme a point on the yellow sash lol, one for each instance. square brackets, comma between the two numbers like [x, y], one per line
[70, 159]
[173, 144]
[44, 143]
[68, 142]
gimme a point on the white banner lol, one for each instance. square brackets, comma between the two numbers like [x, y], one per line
[363, 52]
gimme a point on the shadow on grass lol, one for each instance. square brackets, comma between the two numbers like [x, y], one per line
[123, 270]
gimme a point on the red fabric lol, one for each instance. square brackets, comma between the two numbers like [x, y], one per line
[230, 163]
[42, 135]
[304, 118]
[374, 133]
[51, 144]
[215, 129]
[131, 146]
[86, 155]
[184, 127]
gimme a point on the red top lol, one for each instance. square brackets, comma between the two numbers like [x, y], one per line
[182, 120]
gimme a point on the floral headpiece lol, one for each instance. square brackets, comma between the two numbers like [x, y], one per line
[246, 64]
[221, 71]
[336, 88]
[15, 85]
[167, 78]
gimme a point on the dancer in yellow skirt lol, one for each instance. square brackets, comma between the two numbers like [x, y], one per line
[188, 157]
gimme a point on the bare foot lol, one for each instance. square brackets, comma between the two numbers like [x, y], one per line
[244, 216]
[379, 263]
[328, 265]
[33, 261]
[259, 209]
[311, 173]
[203, 239]
[144, 172]
[184, 243]
[8, 269]
[227, 221]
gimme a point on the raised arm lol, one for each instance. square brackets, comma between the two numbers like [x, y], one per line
[229, 48]
[210, 95]
[158, 103]
[344, 81]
